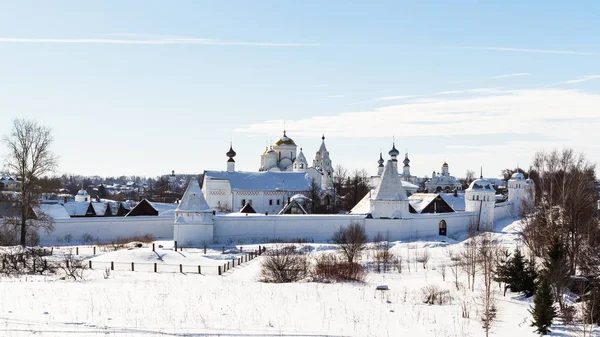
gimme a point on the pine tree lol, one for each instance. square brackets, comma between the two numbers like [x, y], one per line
[529, 278]
[543, 310]
[516, 268]
[556, 266]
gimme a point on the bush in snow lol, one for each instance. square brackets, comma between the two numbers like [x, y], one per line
[330, 268]
[352, 240]
[283, 264]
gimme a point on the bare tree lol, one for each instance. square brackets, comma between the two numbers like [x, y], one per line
[487, 261]
[455, 266]
[352, 240]
[29, 158]
[565, 206]
[283, 264]
[469, 257]
[441, 269]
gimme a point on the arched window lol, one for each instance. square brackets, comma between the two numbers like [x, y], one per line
[443, 225]
[477, 198]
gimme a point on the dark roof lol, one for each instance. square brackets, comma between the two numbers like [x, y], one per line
[247, 209]
[144, 207]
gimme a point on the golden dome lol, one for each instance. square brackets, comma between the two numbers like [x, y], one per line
[285, 140]
[445, 164]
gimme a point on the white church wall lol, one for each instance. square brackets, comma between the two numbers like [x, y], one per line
[107, 229]
[193, 235]
[217, 194]
[259, 227]
[504, 211]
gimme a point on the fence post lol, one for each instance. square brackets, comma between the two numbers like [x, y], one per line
[94, 250]
[76, 250]
[205, 249]
[90, 264]
[219, 270]
[223, 250]
[153, 247]
[228, 267]
[181, 268]
[112, 265]
[239, 261]
[34, 266]
[241, 249]
[199, 270]
[259, 248]
[132, 267]
[233, 262]
[67, 261]
[175, 245]
[155, 267]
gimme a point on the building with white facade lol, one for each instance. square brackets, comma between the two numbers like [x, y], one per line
[443, 182]
[283, 173]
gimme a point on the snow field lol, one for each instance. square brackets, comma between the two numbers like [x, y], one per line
[237, 304]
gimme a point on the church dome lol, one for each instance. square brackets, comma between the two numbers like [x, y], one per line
[270, 152]
[82, 192]
[445, 164]
[517, 176]
[394, 151]
[231, 153]
[482, 185]
[285, 140]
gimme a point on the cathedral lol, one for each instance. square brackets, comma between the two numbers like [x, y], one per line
[283, 173]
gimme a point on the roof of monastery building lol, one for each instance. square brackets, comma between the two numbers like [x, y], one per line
[263, 181]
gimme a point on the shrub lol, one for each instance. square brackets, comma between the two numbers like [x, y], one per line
[283, 264]
[432, 294]
[330, 268]
[352, 240]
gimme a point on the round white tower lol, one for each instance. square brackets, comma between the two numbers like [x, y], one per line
[480, 198]
[406, 168]
[82, 196]
[323, 162]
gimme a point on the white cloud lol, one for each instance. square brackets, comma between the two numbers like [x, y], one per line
[532, 112]
[532, 50]
[510, 75]
[153, 41]
[582, 79]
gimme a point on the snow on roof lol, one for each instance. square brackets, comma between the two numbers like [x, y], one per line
[77, 208]
[420, 200]
[263, 181]
[456, 202]
[390, 186]
[482, 185]
[56, 211]
[193, 199]
[164, 210]
[99, 208]
[374, 181]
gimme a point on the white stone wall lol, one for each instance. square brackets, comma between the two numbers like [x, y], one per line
[108, 229]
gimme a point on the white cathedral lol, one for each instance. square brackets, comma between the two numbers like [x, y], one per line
[283, 173]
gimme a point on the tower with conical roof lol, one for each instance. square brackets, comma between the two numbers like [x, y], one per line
[230, 161]
[193, 218]
[389, 199]
[322, 162]
[300, 164]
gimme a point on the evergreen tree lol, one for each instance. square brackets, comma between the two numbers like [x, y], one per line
[516, 273]
[529, 278]
[557, 268]
[543, 310]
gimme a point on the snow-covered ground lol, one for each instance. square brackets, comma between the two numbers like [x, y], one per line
[143, 303]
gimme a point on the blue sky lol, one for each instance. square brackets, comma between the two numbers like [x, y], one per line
[146, 87]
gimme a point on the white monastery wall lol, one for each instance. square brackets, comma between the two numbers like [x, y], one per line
[108, 229]
[503, 211]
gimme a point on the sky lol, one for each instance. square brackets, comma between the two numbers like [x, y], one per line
[146, 87]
